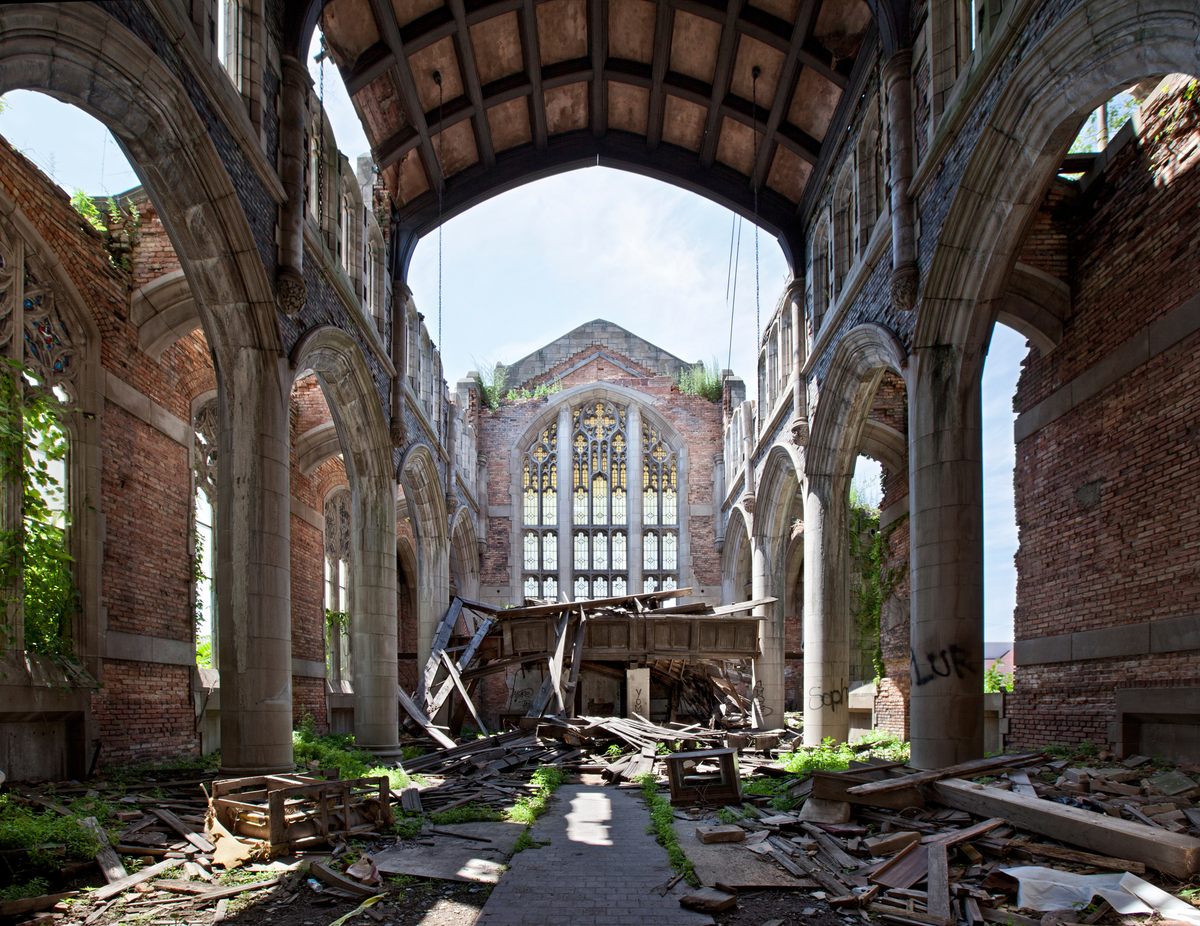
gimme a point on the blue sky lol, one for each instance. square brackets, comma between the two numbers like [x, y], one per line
[533, 263]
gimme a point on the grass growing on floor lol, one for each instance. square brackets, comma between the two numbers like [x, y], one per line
[831, 756]
[469, 813]
[338, 751]
[662, 825]
[546, 780]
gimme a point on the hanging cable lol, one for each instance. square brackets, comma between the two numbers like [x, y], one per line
[755, 72]
[437, 79]
[733, 297]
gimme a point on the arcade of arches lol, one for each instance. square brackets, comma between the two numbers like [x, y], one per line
[269, 492]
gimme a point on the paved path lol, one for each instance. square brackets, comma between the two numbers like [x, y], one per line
[601, 868]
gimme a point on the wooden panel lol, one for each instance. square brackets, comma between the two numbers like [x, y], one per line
[497, 45]
[530, 636]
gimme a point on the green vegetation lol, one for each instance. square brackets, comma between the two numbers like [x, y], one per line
[540, 391]
[545, 780]
[662, 825]
[35, 566]
[836, 757]
[728, 814]
[87, 208]
[872, 580]
[994, 680]
[492, 384]
[614, 751]
[408, 825]
[338, 751]
[469, 813]
[703, 380]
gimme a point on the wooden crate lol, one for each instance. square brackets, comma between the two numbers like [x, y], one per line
[291, 812]
[690, 787]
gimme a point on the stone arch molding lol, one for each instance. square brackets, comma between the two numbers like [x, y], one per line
[1097, 47]
[862, 356]
[427, 507]
[464, 554]
[365, 441]
[78, 54]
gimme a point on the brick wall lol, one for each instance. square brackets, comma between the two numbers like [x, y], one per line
[144, 712]
[1102, 489]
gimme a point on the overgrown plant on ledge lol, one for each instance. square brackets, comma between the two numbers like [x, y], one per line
[703, 380]
[35, 565]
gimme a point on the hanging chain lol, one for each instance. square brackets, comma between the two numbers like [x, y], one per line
[437, 79]
[754, 74]
[320, 142]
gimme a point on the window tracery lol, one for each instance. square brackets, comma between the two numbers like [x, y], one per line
[337, 585]
[539, 497]
[660, 513]
[599, 500]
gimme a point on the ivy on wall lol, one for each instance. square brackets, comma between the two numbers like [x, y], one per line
[872, 580]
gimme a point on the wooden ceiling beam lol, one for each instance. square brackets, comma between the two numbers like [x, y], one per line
[664, 29]
[598, 51]
[788, 73]
[531, 48]
[463, 46]
[409, 97]
[722, 77]
[371, 65]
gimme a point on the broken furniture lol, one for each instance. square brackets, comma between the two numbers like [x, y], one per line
[691, 784]
[295, 812]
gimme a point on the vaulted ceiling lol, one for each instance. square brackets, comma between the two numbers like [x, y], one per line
[531, 87]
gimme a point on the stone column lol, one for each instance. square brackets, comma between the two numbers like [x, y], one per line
[373, 621]
[289, 278]
[566, 502]
[945, 478]
[826, 624]
[636, 500]
[768, 667]
[897, 81]
[253, 567]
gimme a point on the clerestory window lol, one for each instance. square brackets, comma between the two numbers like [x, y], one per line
[337, 586]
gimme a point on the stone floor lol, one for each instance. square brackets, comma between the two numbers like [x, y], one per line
[601, 868]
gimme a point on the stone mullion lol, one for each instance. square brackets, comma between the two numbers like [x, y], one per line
[634, 507]
[566, 493]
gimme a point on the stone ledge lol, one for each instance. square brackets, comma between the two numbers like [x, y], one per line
[1168, 635]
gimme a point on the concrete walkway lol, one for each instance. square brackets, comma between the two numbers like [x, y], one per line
[601, 868]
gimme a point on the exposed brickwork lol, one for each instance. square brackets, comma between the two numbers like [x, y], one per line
[309, 700]
[144, 712]
[1098, 490]
[153, 256]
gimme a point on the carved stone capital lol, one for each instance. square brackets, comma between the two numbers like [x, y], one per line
[800, 432]
[904, 287]
[290, 292]
[398, 435]
[749, 501]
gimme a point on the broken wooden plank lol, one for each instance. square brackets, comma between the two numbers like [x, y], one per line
[1021, 783]
[841, 786]
[974, 767]
[106, 857]
[912, 864]
[938, 887]
[424, 722]
[1170, 853]
[1063, 854]
[186, 832]
[463, 693]
[327, 875]
[112, 890]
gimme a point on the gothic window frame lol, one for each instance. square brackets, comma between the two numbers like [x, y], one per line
[205, 422]
[639, 407]
[537, 515]
[661, 527]
[26, 256]
[600, 508]
[337, 585]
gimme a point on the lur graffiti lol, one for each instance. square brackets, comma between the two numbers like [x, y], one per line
[952, 660]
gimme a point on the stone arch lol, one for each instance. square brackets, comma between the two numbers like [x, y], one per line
[406, 609]
[862, 357]
[365, 441]
[736, 565]
[163, 311]
[464, 555]
[1074, 66]
[1096, 48]
[81, 55]
[427, 508]
[778, 489]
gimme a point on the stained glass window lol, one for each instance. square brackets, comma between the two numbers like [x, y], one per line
[660, 512]
[599, 487]
[539, 511]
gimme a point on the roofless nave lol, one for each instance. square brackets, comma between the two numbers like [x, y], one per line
[248, 374]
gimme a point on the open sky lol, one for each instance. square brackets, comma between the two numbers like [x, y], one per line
[533, 263]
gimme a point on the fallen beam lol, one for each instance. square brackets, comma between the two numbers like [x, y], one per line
[973, 767]
[1170, 853]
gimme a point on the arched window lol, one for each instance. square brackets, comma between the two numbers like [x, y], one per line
[599, 501]
[843, 230]
[871, 191]
[660, 513]
[821, 277]
[539, 517]
[337, 586]
[613, 538]
[35, 396]
[204, 525]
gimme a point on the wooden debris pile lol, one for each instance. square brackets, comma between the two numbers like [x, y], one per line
[688, 646]
[931, 848]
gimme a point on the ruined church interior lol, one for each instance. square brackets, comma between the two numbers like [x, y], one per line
[301, 623]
